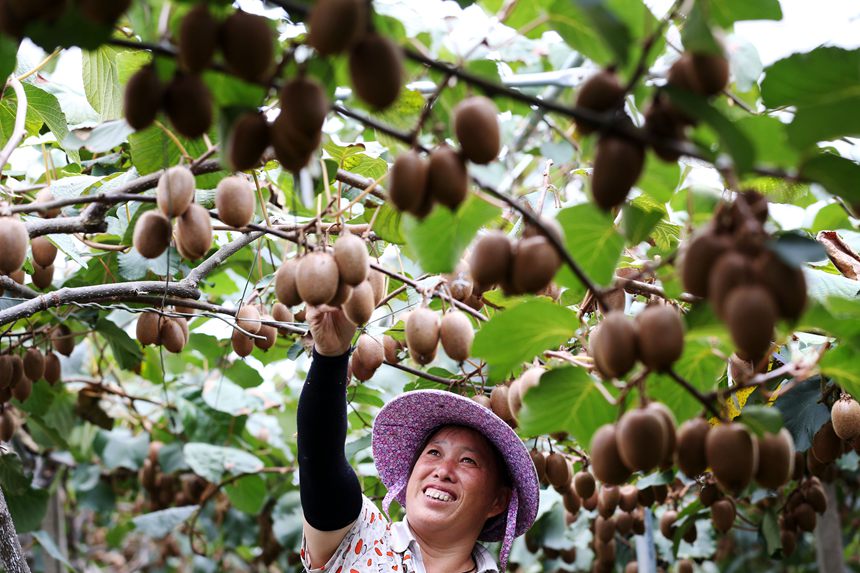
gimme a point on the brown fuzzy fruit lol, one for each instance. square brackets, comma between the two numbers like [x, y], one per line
[787, 284]
[45, 196]
[601, 92]
[148, 325]
[247, 44]
[617, 166]
[775, 459]
[661, 336]
[335, 25]
[105, 12]
[492, 258]
[613, 345]
[188, 104]
[376, 70]
[641, 439]
[663, 122]
[42, 276]
[242, 345]
[535, 263]
[698, 260]
[248, 318]
[476, 124]
[369, 355]
[712, 73]
[235, 201]
[456, 335]
[268, 332]
[392, 347]
[350, 254]
[285, 283]
[194, 232]
[667, 523]
[447, 177]
[53, 369]
[751, 316]
[539, 461]
[788, 540]
[557, 470]
[152, 234]
[422, 334]
[571, 501]
[304, 106]
[804, 515]
[44, 251]
[280, 313]
[317, 278]
[293, 149]
[731, 270]
[723, 514]
[172, 335]
[606, 462]
[22, 390]
[17, 370]
[249, 138]
[607, 500]
[499, 404]
[144, 94]
[62, 340]
[846, 417]
[7, 425]
[732, 454]
[690, 452]
[14, 238]
[629, 498]
[826, 444]
[584, 485]
[198, 39]
[668, 420]
[604, 528]
[407, 187]
[518, 388]
[34, 364]
[175, 191]
[379, 282]
[360, 305]
[5, 371]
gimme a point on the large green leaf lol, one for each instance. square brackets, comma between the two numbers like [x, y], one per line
[212, 462]
[803, 412]
[159, 523]
[825, 121]
[125, 350]
[8, 53]
[519, 334]
[826, 74]
[46, 107]
[28, 508]
[700, 367]
[101, 81]
[593, 242]
[612, 29]
[247, 494]
[640, 217]
[574, 27]
[841, 364]
[770, 138]
[727, 12]
[837, 174]
[568, 400]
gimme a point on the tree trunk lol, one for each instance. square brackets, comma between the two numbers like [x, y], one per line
[828, 536]
[11, 554]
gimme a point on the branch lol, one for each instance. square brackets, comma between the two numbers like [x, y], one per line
[422, 374]
[706, 402]
[11, 554]
[20, 129]
[199, 272]
[8, 284]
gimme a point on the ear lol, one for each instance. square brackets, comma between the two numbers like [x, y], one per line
[500, 503]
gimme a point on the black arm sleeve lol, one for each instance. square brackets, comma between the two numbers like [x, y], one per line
[330, 492]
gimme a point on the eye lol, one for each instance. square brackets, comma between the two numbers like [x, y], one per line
[432, 452]
[470, 461]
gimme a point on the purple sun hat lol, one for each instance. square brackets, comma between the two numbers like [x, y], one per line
[403, 426]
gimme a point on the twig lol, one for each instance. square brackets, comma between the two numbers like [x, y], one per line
[20, 128]
[707, 403]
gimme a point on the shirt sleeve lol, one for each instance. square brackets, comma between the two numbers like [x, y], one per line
[360, 545]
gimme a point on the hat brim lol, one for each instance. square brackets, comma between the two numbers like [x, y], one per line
[404, 425]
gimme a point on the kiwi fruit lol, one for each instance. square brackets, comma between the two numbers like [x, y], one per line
[249, 138]
[42, 276]
[456, 335]
[342, 295]
[604, 528]
[268, 332]
[723, 514]
[539, 461]
[105, 12]
[617, 166]
[732, 454]
[500, 405]
[662, 122]
[690, 452]
[53, 369]
[407, 186]
[608, 499]
[304, 105]
[392, 347]
[557, 470]
[699, 258]
[751, 314]
[235, 201]
[601, 92]
[815, 495]
[194, 232]
[198, 39]
[571, 501]
[360, 305]
[242, 345]
[826, 444]
[285, 283]
[188, 104]
[731, 270]
[584, 484]
[476, 125]
[14, 238]
[662, 412]
[786, 284]
[22, 390]
[7, 425]
[534, 265]
[613, 345]
[481, 399]
[379, 282]
[34, 364]
[492, 258]
[788, 540]
[447, 177]
[518, 388]
[44, 251]
[804, 515]
[350, 254]
[682, 75]
[629, 498]
[17, 369]
[606, 463]
[171, 335]
[641, 439]
[5, 370]
[317, 278]
[376, 70]
[147, 330]
[62, 340]
[775, 459]
[175, 191]
[711, 71]
[144, 94]
[422, 333]
[335, 25]
[590, 503]
[293, 149]
[45, 196]
[667, 523]
[247, 44]
[661, 336]
[248, 318]
[845, 416]
[369, 353]
[152, 234]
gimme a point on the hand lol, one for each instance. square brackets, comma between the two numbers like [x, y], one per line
[332, 331]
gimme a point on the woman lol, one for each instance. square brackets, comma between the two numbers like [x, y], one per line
[459, 471]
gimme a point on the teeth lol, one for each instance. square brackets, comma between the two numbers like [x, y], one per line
[437, 494]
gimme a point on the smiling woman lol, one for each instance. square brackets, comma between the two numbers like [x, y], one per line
[460, 472]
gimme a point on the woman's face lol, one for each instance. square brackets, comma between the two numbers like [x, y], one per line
[455, 483]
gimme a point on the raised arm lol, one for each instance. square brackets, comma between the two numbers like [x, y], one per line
[330, 491]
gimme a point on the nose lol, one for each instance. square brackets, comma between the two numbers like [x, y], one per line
[444, 469]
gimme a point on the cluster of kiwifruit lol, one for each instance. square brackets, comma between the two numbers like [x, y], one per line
[296, 132]
[16, 15]
[367, 357]
[425, 330]
[159, 329]
[416, 183]
[341, 278]
[655, 337]
[828, 445]
[250, 318]
[748, 285]
[375, 62]
[506, 400]
[175, 198]
[168, 490]
[18, 374]
[798, 514]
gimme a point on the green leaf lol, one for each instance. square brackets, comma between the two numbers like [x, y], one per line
[660, 180]
[571, 23]
[797, 249]
[211, 462]
[45, 106]
[388, 224]
[770, 138]
[592, 241]
[8, 55]
[101, 81]
[837, 174]
[828, 74]
[28, 508]
[700, 367]
[727, 12]
[824, 121]
[44, 539]
[160, 523]
[247, 494]
[771, 534]
[639, 217]
[123, 450]
[831, 217]
[519, 334]
[125, 350]
[439, 240]
[225, 396]
[568, 400]
[696, 33]
[243, 374]
[840, 364]
[12, 477]
[762, 419]
[610, 28]
[802, 411]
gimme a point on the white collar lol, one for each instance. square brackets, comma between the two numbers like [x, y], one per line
[402, 539]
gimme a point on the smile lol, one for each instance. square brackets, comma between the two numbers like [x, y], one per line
[438, 494]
